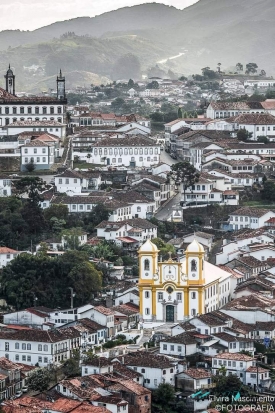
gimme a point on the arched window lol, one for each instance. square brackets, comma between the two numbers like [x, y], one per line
[39, 347]
[146, 265]
[193, 265]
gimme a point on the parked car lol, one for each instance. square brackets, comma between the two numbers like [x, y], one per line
[18, 394]
[173, 156]
[24, 389]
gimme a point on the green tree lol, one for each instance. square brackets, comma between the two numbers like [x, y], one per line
[71, 237]
[263, 139]
[43, 249]
[57, 225]
[32, 186]
[131, 83]
[251, 68]
[117, 104]
[225, 383]
[71, 367]
[59, 211]
[32, 212]
[30, 167]
[98, 214]
[89, 356]
[164, 394]
[156, 117]
[103, 250]
[39, 379]
[180, 114]
[239, 67]
[185, 174]
[152, 85]
[46, 277]
[85, 280]
[243, 135]
[268, 192]
[164, 249]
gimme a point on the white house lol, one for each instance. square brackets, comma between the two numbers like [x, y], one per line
[133, 151]
[252, 218]
[38, 317]
[156, 369]
[33, 346]
[211, 189]
[5, 186]
[243, 366]
[40, 154]
[138, 229]
[98, 365]
[182, 344]
[195, 379]
[6, 255]
[258, 124]
[106, 317]
[70, 182]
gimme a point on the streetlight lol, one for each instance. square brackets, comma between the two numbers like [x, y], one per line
[72, 296]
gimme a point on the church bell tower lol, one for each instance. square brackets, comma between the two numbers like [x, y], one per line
[60, 83]
[10, 81]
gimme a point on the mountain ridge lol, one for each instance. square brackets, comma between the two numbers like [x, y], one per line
[212, 31]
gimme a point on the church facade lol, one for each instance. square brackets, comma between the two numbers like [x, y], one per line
[173, 291]
[14, 109]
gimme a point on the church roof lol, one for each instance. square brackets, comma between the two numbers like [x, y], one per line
[195, 246]
[6, 95]
[148, 246]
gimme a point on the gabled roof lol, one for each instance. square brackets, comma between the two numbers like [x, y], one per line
[183, 338]
[251, 212]
[198, 373]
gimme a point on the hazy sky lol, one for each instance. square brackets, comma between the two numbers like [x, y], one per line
[31, 14]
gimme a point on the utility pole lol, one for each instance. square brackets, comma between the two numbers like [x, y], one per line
[72, 296]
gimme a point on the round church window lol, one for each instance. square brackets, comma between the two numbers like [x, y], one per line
[169, 290]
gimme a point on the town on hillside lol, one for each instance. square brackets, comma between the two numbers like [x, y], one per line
[137, 255]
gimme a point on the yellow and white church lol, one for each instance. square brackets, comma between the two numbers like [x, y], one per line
[172, 291]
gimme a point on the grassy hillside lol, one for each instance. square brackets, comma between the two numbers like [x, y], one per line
[96, 57]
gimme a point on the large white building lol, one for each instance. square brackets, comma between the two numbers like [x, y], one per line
[38, 153]
[136, 151]
[15, 110]
[37, 346]
[173, 291]
[252, 218]
[227, 109]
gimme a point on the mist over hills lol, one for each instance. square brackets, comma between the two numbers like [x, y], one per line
[225, 31]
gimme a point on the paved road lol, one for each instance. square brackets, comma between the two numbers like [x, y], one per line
[164, 213]
[165, 157]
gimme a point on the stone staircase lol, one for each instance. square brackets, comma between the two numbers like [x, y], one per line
[147, 334]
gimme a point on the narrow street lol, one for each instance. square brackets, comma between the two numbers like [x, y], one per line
[165, 212]
[166, 158]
